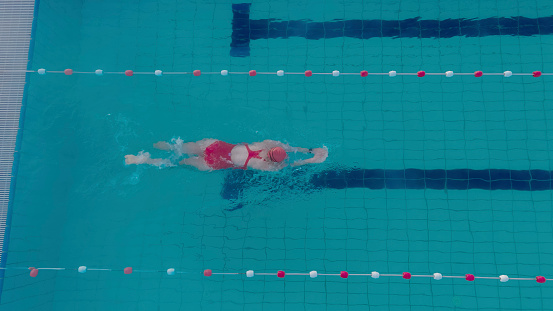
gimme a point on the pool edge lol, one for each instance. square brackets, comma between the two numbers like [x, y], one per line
[15, 163]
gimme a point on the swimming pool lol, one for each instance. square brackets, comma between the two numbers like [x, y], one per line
[76, 203]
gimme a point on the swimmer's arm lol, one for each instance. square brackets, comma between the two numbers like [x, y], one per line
[271, 143]
[319, 156]
[269, 167]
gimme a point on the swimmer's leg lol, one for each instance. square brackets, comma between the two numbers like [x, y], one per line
[192, 148]
[144, 158]
[159, 162]
[196, 162]
[197, 147]
[163, 145]
[188, 148]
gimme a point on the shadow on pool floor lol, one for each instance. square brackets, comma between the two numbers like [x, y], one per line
[306, 181]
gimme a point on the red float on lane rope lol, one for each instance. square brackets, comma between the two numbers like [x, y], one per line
[421, 74]
[364, 73]
[281, 274]
[127, 270]
[68, 72]
[478, 74]
[540, 279]
[207, 272]
[469, 277]
[344, 274]
[308, 73]
[196, 73]
[406, 275]
[34, 272]
[128, 73]
[252, 73]
[536, 74]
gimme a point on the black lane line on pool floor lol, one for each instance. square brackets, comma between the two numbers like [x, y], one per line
[236, 182]
[245, 29]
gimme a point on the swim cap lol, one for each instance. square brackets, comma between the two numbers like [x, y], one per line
[277, 154]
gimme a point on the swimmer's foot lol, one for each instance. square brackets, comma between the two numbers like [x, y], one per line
[131, 159]
[140, 159]
[162, 145]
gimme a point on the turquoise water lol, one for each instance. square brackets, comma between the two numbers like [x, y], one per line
[76, 203]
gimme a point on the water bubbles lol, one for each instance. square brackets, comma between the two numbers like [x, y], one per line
[134, 179]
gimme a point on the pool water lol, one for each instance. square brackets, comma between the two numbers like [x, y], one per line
[76, 203]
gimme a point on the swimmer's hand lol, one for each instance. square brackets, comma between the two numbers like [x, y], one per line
[320, 155]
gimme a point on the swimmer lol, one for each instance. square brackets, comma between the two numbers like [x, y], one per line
[212, 154]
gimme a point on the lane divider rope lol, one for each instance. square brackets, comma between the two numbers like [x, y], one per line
[280, 73]
[281, 274]
[376, 275]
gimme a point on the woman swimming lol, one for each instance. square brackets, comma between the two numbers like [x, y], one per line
[212, 154]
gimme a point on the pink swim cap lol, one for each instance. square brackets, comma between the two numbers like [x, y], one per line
[277, 154]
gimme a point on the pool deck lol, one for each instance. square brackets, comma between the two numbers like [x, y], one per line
[16, 23]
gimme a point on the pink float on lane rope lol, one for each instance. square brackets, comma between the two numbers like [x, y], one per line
[34, 272]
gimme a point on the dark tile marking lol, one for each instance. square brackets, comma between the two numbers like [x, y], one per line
[237, 182]
[245, 29]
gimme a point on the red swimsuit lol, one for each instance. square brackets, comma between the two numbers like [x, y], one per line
[217, 155]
